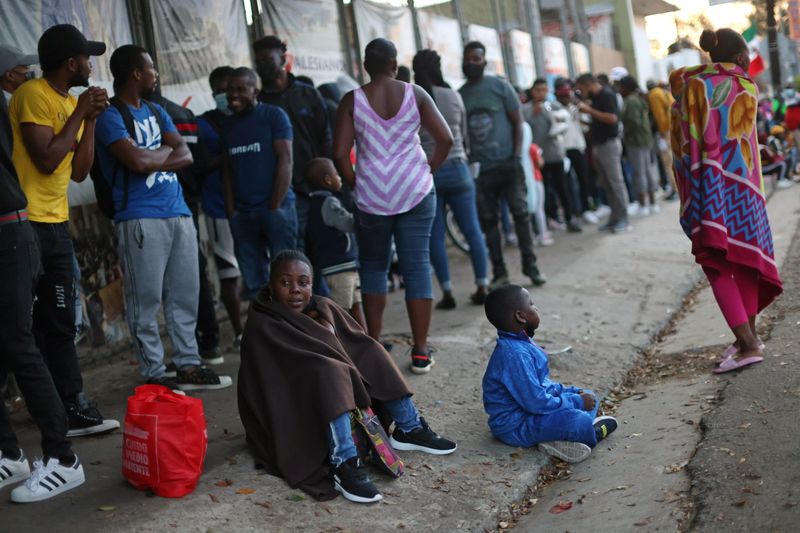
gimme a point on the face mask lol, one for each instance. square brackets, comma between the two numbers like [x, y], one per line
[472, 71]
[221, 99]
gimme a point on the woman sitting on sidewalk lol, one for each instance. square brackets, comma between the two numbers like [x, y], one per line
[718, 172]
[305, 365]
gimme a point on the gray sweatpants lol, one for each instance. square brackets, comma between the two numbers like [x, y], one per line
[159, 260]
[606, 158]
[645, 180]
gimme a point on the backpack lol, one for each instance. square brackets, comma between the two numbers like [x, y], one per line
[103, 185]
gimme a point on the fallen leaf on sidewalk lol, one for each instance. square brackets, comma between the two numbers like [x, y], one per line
[745, 425]
[106, 508]
[739, 503]
[213, 498]
[264, 504]
[560, 507]
[224, 483]
[677, 467]
[621, 487]
[641, 523]
[245, 491]
[584, 479]
[295, 498]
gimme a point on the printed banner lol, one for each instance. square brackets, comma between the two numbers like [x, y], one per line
[311, 31]
[555, 56]
[580, 58]
[523, 58]
[193, 37]
[375, 20]
[443, 35]
[794, 20]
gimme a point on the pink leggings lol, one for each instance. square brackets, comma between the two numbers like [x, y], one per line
[736, 290]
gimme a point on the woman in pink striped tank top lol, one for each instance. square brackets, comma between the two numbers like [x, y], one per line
[393, 188]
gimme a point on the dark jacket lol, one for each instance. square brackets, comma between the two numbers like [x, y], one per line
[330, 237]
[11, 196]
[312, 131]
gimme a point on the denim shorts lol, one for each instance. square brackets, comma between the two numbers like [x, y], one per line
[411, 232]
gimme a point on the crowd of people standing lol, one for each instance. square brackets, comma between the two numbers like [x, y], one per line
[353, 181]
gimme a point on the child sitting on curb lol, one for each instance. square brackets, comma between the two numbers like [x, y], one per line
[525, 408]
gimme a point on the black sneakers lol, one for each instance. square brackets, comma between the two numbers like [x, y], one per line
[422, 439]
[421, 363]
[168, 382]
[212, 356]
[604, 426]
[85, 419]
[537, 278]
[201, 378]
[354, 483]
[447, 301]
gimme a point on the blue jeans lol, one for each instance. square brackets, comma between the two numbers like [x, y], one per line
[456, 189]
[573, 425]
[412, 233]
[259, 235]
[340, 434]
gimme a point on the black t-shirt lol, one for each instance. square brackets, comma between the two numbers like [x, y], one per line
[11, 196]
[605, 101]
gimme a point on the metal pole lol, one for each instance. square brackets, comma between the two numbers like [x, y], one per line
[584, 23]
[535, 29]
[357, 44]
[458, 13]
[508, 62]
[562, 20]
[583, 35]
[345, 38]
[772, 39]
[415, 23]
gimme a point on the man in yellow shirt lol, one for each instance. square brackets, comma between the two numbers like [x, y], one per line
[54, 143]
[660, 101]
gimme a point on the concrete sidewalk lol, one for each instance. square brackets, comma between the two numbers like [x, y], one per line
[607, 297]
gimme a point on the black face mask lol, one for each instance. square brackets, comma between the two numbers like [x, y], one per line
[473, 71]
[268, 72]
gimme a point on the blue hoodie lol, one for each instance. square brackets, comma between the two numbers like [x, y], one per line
[517, 384]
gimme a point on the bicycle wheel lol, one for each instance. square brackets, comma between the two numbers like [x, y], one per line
[454, 232]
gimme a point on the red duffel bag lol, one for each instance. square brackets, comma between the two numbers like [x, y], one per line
[165, 441]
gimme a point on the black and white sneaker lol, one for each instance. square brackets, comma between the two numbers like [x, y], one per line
[354, 483]
[571, 452]
[171, 370]
[49, 478]
[604, 426]
[168, 382]
[201, 378]
[13, 470]
[212, 356]
[422, 439]
[85, 419]
[421, 363]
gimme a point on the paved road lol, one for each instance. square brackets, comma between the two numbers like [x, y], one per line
[607, 297]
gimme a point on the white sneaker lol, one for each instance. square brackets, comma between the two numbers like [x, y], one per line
[784, 184]
[547, 239]
[590, 218]
[571, 452]
[655, 209]
[640, 211]
[602, 211]
[13, 470]
[49, 479]
[633, 208]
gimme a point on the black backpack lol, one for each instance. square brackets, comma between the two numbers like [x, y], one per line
[103, 185]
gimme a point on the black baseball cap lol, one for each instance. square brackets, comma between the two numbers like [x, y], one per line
[63, 41]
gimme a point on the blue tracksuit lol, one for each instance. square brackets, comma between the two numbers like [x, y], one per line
[523, 405]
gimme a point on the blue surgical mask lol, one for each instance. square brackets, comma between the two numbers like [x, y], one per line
[221, 99]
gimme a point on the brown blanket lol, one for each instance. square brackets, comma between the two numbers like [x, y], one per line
[296, 376]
